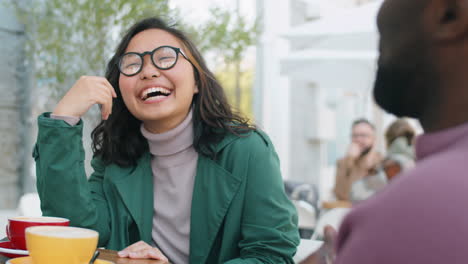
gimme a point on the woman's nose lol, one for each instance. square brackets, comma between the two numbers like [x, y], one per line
[149, 70]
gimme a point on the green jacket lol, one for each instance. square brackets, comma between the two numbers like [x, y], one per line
[240, 213]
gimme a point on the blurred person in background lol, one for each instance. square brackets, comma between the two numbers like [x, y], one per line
[420, 218]
[399, 138]
[400, 148]
[178, 176]
[361, 159]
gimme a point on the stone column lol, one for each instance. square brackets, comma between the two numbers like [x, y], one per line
[14, 105]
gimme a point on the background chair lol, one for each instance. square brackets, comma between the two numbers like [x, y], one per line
[305, 198]
[333, 217]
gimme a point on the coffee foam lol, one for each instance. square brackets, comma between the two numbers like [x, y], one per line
[44, 219]
[62, 231]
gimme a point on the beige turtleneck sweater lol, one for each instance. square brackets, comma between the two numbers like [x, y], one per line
[174, 166]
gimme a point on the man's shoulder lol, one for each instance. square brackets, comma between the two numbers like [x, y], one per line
[400, 216]
[345, 159]
[431, 186]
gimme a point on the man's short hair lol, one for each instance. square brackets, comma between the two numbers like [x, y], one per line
[362, 121]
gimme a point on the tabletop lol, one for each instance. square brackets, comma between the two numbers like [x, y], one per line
[111, 255]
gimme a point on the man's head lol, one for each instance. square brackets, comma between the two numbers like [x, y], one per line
[422, 50]
[363, 134]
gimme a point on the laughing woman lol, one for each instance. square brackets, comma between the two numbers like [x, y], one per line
[177, 175]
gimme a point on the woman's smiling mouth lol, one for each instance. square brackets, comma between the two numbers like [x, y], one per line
[155, 93]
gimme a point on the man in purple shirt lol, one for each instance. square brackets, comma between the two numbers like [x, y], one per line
[422, 216]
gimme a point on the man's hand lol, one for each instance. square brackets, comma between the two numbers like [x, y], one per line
[354, 151]
[141, 250]
[326, 254]
[330, 235]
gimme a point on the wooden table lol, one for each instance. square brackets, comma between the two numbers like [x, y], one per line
[336, 204]
[111, 255]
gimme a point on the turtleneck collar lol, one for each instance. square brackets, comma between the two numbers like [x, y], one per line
[173, 141]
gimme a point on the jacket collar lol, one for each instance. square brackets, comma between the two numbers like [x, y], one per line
[214, 190]
[228, 139]
[135, 186]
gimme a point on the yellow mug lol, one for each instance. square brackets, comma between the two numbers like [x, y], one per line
[61, 244]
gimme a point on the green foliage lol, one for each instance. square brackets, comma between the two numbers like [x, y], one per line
[227, 78]
[68, 39]
[228, 34]
[71, 38]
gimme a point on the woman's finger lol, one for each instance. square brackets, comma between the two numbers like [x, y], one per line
[106, 110]
[103, 97]
[106, 107]
[104, 81]
[140, 245]
[152, 253]
[157, 254]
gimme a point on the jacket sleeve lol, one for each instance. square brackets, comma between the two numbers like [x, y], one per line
[61, 178]
[269, 222]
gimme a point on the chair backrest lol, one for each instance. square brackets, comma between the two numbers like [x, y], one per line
[306, 213]
[30, 205]
[306, 248]
[334, 217]
[303, 192]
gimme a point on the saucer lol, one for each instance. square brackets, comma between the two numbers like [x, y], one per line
[28, 260]
[7, 250]
[23, 260]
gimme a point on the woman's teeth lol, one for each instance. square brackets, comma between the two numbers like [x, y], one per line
[155, 91]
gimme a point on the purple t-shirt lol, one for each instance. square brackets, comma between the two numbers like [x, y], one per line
[422, 216]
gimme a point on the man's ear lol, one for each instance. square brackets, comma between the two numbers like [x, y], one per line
[447, 20]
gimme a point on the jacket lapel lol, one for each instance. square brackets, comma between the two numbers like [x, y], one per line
[213, 192]
[135, 186]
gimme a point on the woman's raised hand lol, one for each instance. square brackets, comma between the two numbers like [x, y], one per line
[86, 92]
[141, 250]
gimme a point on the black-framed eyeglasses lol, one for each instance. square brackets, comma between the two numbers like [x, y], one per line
[163, 58]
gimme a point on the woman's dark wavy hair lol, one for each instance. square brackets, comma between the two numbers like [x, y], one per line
[119, 140]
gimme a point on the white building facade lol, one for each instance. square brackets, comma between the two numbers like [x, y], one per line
[316, 64]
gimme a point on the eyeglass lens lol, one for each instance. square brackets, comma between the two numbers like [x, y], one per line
[163, 58]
